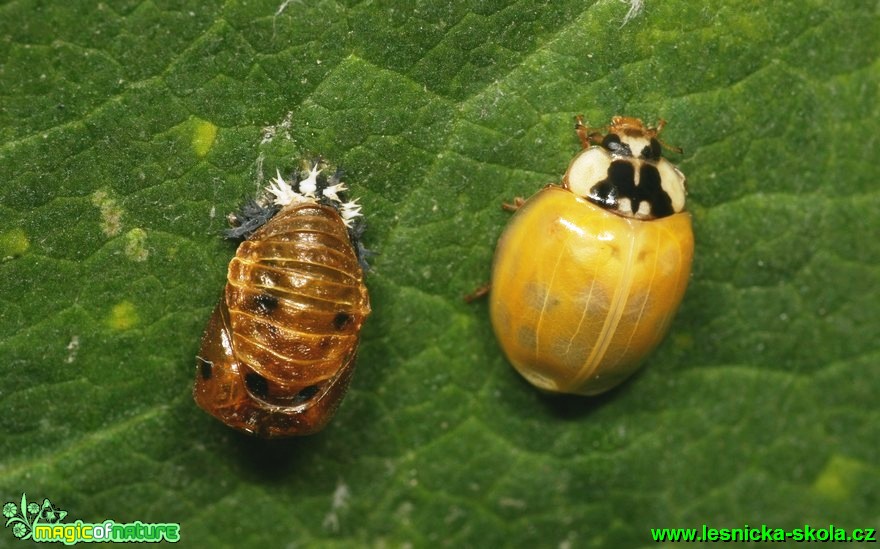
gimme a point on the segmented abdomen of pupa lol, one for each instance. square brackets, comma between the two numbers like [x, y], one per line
[296, 297]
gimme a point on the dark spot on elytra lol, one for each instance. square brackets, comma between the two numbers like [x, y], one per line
[206, 367]
[652, 192]
[620, 184]
[341, 320]
[306, 394]
[265, 304]
[621, 177]
[257, 385]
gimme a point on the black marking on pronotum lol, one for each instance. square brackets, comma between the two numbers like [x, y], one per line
[341, 320]
[206, 367]
[653, 151]
[265, 304]
[613, 144]
[251, 216]
[620, 184]
[257, 385]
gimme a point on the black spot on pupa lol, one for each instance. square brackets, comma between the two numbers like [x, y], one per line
[206, 368]
[341, 320]
[257, 385]
[306, 394]
[265, 304]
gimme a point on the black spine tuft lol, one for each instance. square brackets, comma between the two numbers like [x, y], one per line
[355, 232]
[251, 216]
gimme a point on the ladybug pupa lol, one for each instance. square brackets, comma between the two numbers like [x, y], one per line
[279, 350]
[588, 275]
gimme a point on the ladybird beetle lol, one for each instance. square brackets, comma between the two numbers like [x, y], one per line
[279, 351]
[587, 276]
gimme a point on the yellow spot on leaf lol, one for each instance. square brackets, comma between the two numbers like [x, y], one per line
[135, 248]
[840, 477]
[203, 136]
[13, 243]
[111, 213]
[123, 316]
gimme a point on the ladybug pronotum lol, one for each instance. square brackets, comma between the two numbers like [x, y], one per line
[588, 275]
[279, 351]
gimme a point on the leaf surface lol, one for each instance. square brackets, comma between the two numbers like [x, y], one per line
[128, 130]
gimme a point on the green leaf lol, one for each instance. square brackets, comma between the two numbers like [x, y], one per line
[128, 130]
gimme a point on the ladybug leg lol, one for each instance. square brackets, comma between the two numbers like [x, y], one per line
[518, 201]
[588, 136]
[482, 291]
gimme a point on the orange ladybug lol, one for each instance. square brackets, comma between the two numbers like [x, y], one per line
[588, 275]
[279, 351]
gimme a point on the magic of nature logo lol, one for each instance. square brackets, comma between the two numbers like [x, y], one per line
[45, 522]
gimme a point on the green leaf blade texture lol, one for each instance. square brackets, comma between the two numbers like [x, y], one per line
[128, 131]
